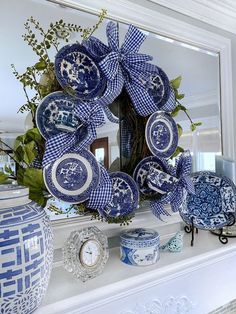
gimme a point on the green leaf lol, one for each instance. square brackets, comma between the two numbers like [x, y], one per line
[8, 170]
[20, 176]
[183, 108]
[180, 96]
[30, 152]
[198, 123]
[49, 37]
[41, 65]
[177, 151]
[33, 135]
[33, 178]
[175, 112]
[180, 129]
[19, 154]
[193, 127]
[175, 83]
[3, 177]
[19, 141]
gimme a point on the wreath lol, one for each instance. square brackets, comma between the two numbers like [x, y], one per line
[73, 95]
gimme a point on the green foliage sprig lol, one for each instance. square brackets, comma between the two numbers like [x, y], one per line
[175, 83]
[122, 220]
[41, 41]
[40, 78]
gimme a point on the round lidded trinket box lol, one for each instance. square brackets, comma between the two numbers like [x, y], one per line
[140, 247]
[26, 251]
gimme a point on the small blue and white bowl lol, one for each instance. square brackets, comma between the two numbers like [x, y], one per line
[139, 247]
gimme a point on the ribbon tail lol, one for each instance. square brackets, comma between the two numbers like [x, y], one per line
[178, 199]
[96, 47]
[158, 210]
[189, 186]
[87, 139]
[102, 195]
[184, 164]
[141, 99]
[58, 145]
[113, 90]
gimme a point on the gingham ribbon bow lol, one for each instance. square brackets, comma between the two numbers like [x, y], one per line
[176, 197]
[91, 117]
[124, 66]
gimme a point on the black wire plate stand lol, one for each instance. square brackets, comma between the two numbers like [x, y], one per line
[223, 237]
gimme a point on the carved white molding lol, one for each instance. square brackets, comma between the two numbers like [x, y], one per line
[221, 14]
[171, 305]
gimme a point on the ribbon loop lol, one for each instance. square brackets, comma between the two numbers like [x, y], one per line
[113, 36]
[110, 65]
[184, 185]
[133, 39]
[125, 66]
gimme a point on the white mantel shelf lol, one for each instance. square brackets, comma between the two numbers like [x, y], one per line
[204, 275]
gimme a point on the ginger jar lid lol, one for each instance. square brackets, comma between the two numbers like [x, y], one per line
[140, 237]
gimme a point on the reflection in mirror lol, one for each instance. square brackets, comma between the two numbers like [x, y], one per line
[199, 69]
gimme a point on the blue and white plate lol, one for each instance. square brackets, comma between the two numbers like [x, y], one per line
[55, 114]
[213, 204]
[161, 134]
[72, 177]
[79, 73]
[142, 170]
[125, 195]
[158, 87]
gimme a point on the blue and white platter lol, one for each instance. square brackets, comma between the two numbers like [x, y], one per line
[72, 177]
[213, 205]
[78, 72]
[142, 170]
[55, 113]
[161, 134]
[125, 195]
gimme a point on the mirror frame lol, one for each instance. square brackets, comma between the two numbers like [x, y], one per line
[149, 20]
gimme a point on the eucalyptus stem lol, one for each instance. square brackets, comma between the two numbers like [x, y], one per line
[186, 112]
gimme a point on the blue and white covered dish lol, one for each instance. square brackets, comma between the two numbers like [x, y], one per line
[140, 247]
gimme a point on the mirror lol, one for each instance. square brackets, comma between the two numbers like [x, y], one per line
[198, 67]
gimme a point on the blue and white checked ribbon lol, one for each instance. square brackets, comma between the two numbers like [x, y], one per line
[176, 197]
[124, 67]
[91, 116]
[102, 195]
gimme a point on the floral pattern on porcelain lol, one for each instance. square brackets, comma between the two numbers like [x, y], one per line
[140, 247]
[213, 204]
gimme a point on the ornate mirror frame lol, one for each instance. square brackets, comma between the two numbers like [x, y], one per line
[156, 22]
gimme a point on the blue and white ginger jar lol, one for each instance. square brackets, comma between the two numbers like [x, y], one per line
[140, 247]
[26, 251]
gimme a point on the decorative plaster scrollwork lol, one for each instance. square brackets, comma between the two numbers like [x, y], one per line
[171, 305]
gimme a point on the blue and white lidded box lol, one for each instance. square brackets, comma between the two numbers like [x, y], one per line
[139, 247]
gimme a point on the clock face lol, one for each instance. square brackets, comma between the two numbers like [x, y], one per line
[90, 253]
